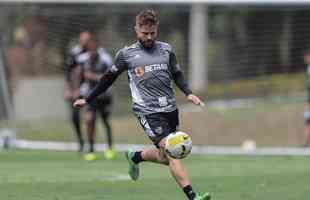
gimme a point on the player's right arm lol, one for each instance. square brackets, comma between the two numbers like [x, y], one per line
[105, 81]
[69, 64]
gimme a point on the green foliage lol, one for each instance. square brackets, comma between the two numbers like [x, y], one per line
[259, 86]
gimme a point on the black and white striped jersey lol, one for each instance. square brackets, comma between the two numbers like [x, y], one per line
[100, 65]
[71, 61]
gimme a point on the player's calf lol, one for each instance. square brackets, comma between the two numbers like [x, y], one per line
[162, 157]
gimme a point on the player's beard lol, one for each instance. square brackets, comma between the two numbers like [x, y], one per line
[148, 44]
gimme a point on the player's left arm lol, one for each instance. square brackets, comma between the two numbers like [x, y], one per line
[180, 81]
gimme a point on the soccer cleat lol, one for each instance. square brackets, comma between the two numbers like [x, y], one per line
[205, 196]
[90, 157]
[133, 167]
[109, 154]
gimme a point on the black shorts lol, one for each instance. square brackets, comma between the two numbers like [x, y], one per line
[159, 125]
[102, 105]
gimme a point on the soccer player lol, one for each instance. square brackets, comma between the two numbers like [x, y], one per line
[94, 63]
[307, 110]
[151, 66]
[71, 90]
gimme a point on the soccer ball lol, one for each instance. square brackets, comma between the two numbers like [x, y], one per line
[178, 145]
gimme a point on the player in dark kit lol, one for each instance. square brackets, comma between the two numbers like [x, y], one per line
[93, 64]
[306, 142]
[71, 91]
[151, 66]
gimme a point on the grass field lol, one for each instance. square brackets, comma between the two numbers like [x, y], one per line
[45, 175]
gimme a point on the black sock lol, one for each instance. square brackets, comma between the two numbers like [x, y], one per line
[91, 145]
[81, 146]
[76, 124]
[188, 190]
[137, 158]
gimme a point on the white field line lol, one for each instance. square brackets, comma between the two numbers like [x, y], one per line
[202, 150]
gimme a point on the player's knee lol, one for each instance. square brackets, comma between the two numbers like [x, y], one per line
[173, 162]
[164, 160]
[89, 119]
[162, 157]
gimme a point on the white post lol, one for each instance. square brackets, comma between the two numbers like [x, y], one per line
[198, 39]
[4, 85]
[286, 41]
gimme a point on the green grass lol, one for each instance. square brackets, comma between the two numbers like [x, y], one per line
[276, 84]
[44, 175]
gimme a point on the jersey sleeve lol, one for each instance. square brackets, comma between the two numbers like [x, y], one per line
[120, 63]
[177, 74]
[108, 78]
[107, 59]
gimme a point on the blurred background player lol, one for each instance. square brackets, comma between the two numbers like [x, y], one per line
[151, 66]
[306, 141]
[71, 90]
[93, 64]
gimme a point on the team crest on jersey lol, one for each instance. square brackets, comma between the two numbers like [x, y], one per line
[139, 71]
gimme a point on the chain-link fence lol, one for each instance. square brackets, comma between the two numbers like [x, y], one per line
[253, 51]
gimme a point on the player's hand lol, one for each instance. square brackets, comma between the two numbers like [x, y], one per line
[195, 100]
[79, 103]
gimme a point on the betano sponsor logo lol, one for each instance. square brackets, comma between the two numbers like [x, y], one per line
[150, 68]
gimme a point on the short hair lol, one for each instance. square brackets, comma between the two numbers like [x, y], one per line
[147, 17]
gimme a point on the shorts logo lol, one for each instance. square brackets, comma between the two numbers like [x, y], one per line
[143, 122]
[159, 130]
[139, 71]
